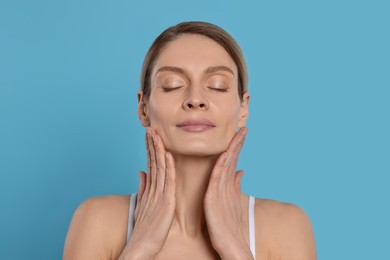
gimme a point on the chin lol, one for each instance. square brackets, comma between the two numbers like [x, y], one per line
[197, 150]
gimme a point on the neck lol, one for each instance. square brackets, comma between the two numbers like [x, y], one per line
[192, 178]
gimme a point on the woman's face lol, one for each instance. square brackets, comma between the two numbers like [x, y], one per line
[194, 78]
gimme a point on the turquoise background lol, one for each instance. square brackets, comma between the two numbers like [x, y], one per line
[319, 112]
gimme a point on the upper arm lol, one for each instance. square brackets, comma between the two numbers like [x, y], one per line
[89, 235]
[297, 236]
[284, 232]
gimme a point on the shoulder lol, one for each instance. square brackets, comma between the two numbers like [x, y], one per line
[98, 228]
[285, 228]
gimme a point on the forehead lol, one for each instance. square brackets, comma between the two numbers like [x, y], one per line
[194, 53]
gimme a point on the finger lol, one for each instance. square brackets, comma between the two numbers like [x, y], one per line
[148, 152]
[160, 162]
[241, 141]
[223, 164]
[218, 170]
[238, 140]
[238, 178]
[234, 149]
[142, 185]
[153, 169]
[147, 148]
[170, 178]
[141, 189]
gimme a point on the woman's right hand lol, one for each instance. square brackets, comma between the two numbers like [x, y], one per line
[156, 201]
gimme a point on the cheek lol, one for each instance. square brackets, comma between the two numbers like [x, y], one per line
[157, 116]
[162, 119]
[159, 112]
[230, 114]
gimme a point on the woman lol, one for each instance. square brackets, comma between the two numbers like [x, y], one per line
[193, 98]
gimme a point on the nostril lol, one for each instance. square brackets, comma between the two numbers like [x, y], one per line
[193, 105]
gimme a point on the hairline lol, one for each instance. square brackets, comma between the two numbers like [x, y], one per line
[228, 43]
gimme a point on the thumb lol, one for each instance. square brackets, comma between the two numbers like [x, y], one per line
[141, 186]
[238, 178]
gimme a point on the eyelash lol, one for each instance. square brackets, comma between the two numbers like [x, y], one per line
[219, 89]
[173, 89]
[170, 89]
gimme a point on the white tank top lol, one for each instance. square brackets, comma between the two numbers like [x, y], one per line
[251, 214]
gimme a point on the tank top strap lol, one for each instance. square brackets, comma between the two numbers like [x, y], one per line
[130, 223]
[252, 240]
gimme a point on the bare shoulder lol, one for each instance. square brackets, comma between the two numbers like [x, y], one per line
[98, 228]
[284, 231]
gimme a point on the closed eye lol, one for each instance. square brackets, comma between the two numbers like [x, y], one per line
[165, 89]
[219, 89]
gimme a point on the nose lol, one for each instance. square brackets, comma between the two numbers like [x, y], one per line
[195, 101]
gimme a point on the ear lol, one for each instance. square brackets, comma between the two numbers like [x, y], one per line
[143, 110]
[244, 113]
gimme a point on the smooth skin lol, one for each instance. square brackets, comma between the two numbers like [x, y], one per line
[190, 202]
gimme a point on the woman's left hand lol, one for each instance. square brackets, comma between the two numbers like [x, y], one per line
[222, 204]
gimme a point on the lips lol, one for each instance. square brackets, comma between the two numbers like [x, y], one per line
[204, 122]
[196, 125]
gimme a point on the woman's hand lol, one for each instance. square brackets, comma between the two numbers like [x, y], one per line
[156, 201]
[222, 204]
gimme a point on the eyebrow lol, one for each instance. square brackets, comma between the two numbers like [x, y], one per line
[208, 70]
[218, 68]
[171, 68]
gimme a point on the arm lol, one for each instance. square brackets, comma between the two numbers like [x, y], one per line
[89, 235]
[98, 228]
[299, 240]
[288, 230]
